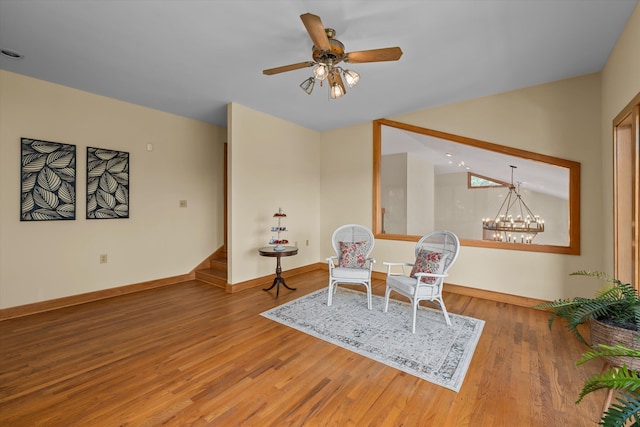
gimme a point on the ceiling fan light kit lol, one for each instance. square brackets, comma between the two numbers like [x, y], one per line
[308, 84]
[327, 53]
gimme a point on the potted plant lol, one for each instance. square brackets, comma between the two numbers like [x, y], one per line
[622, 378]
[613, 313]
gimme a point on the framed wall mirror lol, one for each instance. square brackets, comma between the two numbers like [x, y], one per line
[488, 194]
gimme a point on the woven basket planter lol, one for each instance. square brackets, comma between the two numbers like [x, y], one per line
[603, 333]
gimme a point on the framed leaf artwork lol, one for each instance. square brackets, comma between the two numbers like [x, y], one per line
[107, 184]
[47, 180]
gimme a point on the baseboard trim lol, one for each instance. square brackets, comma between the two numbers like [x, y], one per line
[268, 280]
[39, 307]
[492, 295]
[481, 293]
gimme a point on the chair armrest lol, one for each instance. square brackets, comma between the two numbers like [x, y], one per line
[391, 265]
[419, 276]
[431, 275]
[330, 261]
[371, 261]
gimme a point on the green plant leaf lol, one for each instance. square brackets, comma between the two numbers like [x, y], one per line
[627, 408]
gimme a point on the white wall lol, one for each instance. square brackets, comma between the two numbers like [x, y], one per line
[420, 194]
[45, 260]
[461, 209]
[273, 164]
[407, 194]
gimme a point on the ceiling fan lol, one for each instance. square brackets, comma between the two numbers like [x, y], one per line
[327, 53]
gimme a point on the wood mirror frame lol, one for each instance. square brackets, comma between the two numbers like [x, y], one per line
[573, 246]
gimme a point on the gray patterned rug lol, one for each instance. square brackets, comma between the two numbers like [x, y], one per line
[437, 353]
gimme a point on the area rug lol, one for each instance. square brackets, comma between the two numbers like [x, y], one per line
[436, 352]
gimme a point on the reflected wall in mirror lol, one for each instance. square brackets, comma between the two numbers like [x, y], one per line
[488, 194]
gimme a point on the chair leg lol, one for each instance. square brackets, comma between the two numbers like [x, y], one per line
[414, 303]
[444, 311]
[609, 397]
[369, 298]
[386, 299]
[330, 298]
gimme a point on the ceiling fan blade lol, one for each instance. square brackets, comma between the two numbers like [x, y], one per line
[374, 55]
[291, 67]
[316, 31]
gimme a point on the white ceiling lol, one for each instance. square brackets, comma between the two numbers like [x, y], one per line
[192, 57]
[451, 157]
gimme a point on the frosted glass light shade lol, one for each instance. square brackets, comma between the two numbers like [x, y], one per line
[351, 77]
[336, 91]
[321, 72]
[308, 84]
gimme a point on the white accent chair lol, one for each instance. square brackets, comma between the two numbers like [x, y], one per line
[351, 265]
[438, 249]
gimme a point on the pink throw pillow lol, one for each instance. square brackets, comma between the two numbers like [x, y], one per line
[352, 254]
[429, 262]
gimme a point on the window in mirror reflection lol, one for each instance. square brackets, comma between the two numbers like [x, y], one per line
[489, 195]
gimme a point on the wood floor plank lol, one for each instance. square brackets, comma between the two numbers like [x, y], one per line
[191, 354]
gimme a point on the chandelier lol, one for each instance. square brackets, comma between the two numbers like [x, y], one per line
[514, 222]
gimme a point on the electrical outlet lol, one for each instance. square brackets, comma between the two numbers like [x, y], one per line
[183, 203]
[307, 242]
[103, 259]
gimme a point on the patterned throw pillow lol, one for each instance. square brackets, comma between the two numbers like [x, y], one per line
[429, 262]
[353, 254]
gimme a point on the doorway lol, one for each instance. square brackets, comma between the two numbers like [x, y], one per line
[626, 194]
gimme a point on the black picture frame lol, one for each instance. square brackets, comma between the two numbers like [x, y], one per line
[47, 180]
[107, 184]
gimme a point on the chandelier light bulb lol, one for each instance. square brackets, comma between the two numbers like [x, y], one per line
[506, 222]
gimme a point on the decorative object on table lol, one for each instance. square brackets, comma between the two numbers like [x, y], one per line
[107, 184]
[351, 265]
[436, 353]
[278, 228]
[514, 222]
[48, 180]
[435, 254]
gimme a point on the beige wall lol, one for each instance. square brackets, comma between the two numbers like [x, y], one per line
[559, 119]
[274, 164]
[46, 260]
[345, 181]
[620, 83]
[322, 180]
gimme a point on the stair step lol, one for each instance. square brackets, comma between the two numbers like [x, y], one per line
[213, 277]
[219, 265]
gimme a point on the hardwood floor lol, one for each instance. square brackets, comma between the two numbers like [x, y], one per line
[191, 354]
